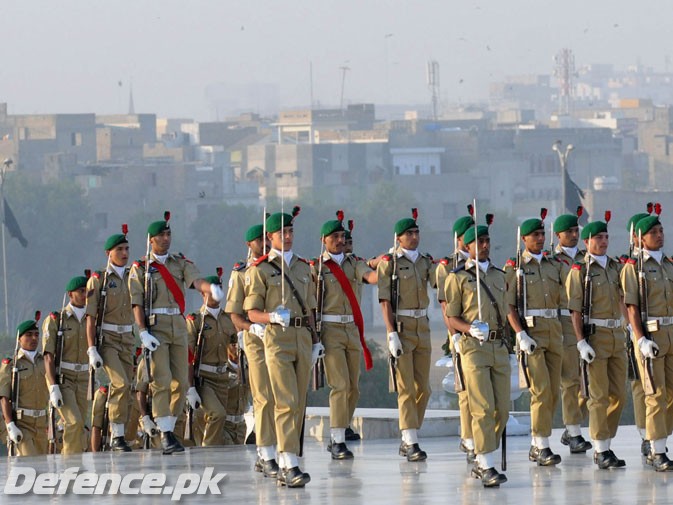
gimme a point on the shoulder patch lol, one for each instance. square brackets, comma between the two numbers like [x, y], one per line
[6, 361]
[386, 257]
[103, 389]
[444, 261]
[511, 262]
[631, 261]
[238, 266]
[139, 351]
[261, 259]
[577, 266]
[191, 317]
[96, 275]
[54, 315]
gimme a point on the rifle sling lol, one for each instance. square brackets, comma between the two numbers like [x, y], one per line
[501, 326]
[291, 284]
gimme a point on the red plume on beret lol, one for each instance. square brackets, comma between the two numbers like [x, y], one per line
[351, 225]
[38, 314]
[340, 215]
[414, 213]
[219, 271]
[87, 273]
[470, 209]
[125, 229]
[543, 213]
[650, 207]
[657, 209]
[296, 210]
[489, 219]
[167, 215]
[580, 211]
[608, 216]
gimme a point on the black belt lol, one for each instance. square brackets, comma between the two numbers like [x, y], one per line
[298, 322]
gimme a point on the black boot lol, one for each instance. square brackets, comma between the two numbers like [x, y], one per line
[412, 452]
[351, 436]
[577, 444]
[645, 447]
[119, 444]
[546, 457]
[490, 477]
[268, 468]
[661, 463]
[340, 451]
[170, 444]
[293, 477]
[533, 453]
[607, 459]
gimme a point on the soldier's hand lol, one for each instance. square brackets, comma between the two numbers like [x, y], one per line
[95, 361]
[587, 352]
[257, 330]
[193, 398]
[281, 318]
[394, 344]
[317, 351]
[149, 426]
[216, 292]
[648, 348]
[14, 433]
[526, 344]
[55, 396]
[148, 340]
[455, 338]
[479, 330]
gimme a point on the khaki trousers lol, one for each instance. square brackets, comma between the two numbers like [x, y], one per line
[169, 364]
[464, 409]
[118, 365]
[34, 441]
[544, 367]
[262, 395]
[214, 396]
[342, 369]
[413, 372]
[573, 405]
[74, 411]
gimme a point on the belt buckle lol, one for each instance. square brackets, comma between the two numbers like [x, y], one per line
[417, 313]
[220, 369]
[612, 324]
[492, 335]
[78, 367]
[297, 322]
[548, 313]
[120, 329]
[344, 319]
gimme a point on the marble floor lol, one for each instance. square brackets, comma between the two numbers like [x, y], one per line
[376, 475]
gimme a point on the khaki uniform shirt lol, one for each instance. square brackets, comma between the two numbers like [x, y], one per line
[236, 291]
[560, 254]
[544, 281]
[74, 337]
[117, 302]
[217, 335]
[605, 289]
[263, 285]
[335, 301]
[413, 280]
[444, 268]
[659, 280]
[33, 390]
[461, 295]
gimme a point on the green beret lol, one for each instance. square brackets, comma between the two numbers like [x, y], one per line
[26, 326]
[277, 221]
[461, 225]
[213, 279]
[646, 224]
[405, 224]
[331, 227]
[349, 236]
[531, 225]
[254, 232]
[114, 240]
[634, 220]
[593, 229]
[75, 283]
[157, 227]
[468, 238]
[564, 222]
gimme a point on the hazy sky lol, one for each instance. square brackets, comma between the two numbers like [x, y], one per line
[70, 55]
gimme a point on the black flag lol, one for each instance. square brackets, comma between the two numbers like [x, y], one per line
[13, 225]
[574, 196]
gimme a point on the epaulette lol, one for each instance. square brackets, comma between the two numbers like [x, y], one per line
[547, 253]
[261, 259]
[458, 269]
[96, 274]
[511, 262]
[303, 260]
[631, 261]
[498, 269]
[6, 361]
[427, 255]
[191, 317]
[577, 266]
[238, 266]
[623, 258]
[103, 389]
[561, 260]
[54, 315]
[139, 263]
[313, 261]
[183, 257]
[386, 257]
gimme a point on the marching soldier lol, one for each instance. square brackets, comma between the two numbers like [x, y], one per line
[67, 390]
[109, 331]
[648, 290]
[342, 328]
[253, 343]
[485, 357]
[280, 293]
[403, 278]
[596, 305]
[543, 285]
[163, 330]
[210, 331]
[446, 265]
[573, 405]
[23, 397]
[237, 400]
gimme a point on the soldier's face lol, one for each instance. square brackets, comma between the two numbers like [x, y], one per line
[335, 242]
[161, 243]
[653, 240]
[410, 239]
[348, 246]
[482, 246]
[570, 237]
[534, 242]
[209, 300]
[598, 245]
[29, 340]
[282, 240]
[461, 244]
[77, 297]
[257, 246]
[119, 255]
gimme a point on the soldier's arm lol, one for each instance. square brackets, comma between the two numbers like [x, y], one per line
[575, 292]
[255, 290]
[6, 409]
[240, 322]
[49, 330]
[629, 283]
[137, 291]
[92, 294]
[453, 306]
[384, 271]
[235, 298]
[513, 318]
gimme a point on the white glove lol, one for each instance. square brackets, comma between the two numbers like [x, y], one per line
[455, 338]
[317, 351]
[149, 426]
[394, 344]
[55, 396]
[587, 352]
[647, 347]
[526, 344]
[15, 434]
[241, 343]
[216, 292]
[148, 340]
[257, 330]
[193, 398]
[476, 331]
[95, 361]
[277, 318]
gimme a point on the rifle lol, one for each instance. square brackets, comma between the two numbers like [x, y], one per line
[105, 425]
[100, 315]
[588, 329]
[524, 376]
[394, 299]
[319, 368]
[198, 381]
[649, 387]
[150, 319]
[458, 376]
[633, 373]
[58, 354]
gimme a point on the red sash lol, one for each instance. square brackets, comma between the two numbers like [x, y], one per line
[333, 267]
[171, 284]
